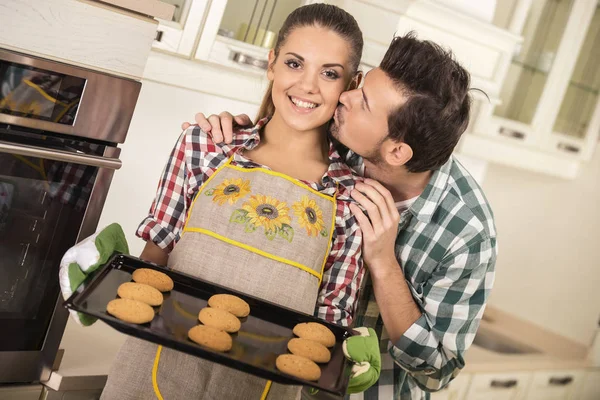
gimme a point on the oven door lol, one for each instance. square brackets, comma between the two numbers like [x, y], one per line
[52, 191]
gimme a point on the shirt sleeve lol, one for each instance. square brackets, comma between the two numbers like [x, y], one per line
[343, 270]
[452, 303]
[168, 210]
[193, 160]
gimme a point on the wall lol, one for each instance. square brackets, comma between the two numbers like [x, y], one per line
[548, 269]
[154, 130]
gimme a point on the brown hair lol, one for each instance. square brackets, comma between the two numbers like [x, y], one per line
[436, 112]
[325, 16]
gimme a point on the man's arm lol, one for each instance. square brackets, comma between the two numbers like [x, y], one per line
[430, 333]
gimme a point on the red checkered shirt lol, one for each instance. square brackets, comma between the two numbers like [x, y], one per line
[196, 157]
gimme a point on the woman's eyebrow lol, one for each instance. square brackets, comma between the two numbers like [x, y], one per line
[299, 57]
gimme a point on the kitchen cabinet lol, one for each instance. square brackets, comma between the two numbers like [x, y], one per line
[499, 386]
[590, 388]
[84, 33]
[555, 385]
[456, 390]
[548, 119]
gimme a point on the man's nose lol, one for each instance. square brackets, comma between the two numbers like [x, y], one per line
[345, 98]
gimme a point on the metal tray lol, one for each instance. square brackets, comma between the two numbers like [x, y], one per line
[263, 336]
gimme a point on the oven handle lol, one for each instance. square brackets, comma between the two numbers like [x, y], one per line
[60, 155]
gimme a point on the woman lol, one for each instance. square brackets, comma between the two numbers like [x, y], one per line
[266, 215]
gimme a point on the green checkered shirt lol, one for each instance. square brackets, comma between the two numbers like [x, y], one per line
[446, 246]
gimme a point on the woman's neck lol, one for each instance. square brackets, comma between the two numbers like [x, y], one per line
[279, 136]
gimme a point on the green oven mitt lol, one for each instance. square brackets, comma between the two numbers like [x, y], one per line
[363, 351]
[86, 257]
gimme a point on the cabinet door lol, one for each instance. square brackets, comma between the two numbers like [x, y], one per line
[591, 386]
[179, 35]
[240, 33]
[456, 390]
[578, 122]
[500, 386]
[555, 385]
[529, 71]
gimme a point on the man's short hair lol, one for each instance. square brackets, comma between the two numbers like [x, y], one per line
[436, 112]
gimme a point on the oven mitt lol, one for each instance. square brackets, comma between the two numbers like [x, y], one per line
[363, 351]
[86, 257]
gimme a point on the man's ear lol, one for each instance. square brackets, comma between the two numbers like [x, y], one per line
[396, 154]
[270, 74]
[356, 81]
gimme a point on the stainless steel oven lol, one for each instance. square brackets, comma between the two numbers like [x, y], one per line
[60, 127]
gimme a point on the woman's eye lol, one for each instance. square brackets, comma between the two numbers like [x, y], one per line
[331, 74]
[292, 64]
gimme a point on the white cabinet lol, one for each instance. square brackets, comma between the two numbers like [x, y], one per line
[590, 389]
[89, 34]
[179, 35]
[555, 385]
[499, 386]
[456, 390]
[548, 119]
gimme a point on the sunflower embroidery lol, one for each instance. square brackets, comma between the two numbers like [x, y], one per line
[310, 216]
[267, 212]
[230, 190]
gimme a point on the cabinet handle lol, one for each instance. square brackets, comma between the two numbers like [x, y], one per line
[568, 147]
[241, 58]
[159, 35]
[504, 384]
[511, 133]
[564, 381]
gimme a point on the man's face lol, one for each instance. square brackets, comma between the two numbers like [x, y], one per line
[360, 121]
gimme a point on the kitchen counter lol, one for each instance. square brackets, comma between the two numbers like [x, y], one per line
[555, 351]
[89, 352]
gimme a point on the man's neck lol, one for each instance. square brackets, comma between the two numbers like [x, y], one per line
[403, 185]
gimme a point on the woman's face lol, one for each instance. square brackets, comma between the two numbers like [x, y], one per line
[310, 73]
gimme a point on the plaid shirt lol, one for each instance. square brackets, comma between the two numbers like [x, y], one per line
[196, 157]
[446, 246]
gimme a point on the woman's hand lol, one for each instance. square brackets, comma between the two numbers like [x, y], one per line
[220, 127]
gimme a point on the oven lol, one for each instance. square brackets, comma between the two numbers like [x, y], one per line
[60, 127]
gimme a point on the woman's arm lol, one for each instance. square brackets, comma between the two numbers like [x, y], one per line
[154, 254]
[343, 271]
[162, 226]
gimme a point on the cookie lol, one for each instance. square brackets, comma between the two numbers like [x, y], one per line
[220, 319]
[128, 310]
[308, 349]
[210, 337]
[156, 279]
[231, 303]
[315, 332]
[141, 292]
[299, 367]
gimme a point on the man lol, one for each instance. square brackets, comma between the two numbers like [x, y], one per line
[429, 238]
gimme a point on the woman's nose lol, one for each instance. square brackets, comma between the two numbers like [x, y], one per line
[309, 83]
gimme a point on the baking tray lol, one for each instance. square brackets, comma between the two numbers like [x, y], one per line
[263, 336]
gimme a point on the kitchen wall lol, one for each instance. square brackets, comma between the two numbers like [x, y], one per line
[154, 130]
[548, 269]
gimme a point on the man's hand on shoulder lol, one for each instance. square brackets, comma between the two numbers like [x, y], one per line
[220, 127]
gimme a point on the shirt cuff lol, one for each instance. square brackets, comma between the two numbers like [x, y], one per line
[150, 229]
[415, 350]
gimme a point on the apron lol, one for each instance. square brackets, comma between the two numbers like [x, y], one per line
[252, 230]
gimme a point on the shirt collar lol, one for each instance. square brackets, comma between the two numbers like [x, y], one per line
[337, 173]
[425, 205]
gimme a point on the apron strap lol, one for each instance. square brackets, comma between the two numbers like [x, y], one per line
[266, 391]
[154, 373]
